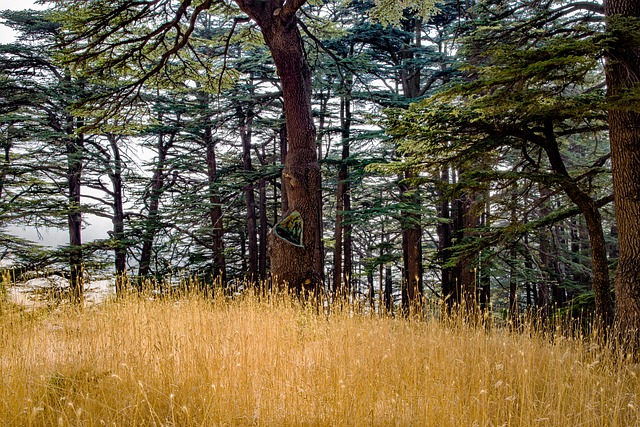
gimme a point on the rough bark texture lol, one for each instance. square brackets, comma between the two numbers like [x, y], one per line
[623, 75]
[297, 266]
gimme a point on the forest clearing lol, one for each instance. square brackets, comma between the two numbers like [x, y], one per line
[198, 361]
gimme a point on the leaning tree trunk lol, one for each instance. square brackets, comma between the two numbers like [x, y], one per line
[293, 261]
[623, 77]
[593, 219]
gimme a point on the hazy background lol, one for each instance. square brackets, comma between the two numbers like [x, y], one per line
[96, 228]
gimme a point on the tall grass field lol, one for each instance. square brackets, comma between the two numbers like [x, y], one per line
[200, 361]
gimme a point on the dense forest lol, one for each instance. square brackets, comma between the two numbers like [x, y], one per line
[463, 153]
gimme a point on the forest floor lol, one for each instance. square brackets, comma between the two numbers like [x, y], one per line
[195, 361]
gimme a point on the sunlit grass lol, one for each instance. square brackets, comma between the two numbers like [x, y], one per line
[209, 362]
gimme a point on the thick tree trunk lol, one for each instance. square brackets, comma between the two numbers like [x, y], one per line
[295, 265]
[282, 138]
[623, 76]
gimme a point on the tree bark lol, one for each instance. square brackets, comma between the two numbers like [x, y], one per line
[120, 251]
[467, 265]
[622, 73]
[444, 230]
[410, 78]
[513, 276]
[412, 254]
[6, 158]
[343, 250]
[282, 138]
[293, 265]
[74, 173]
[246, 123]
[262, 230]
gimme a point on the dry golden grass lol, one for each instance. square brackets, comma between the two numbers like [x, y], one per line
[197, 362]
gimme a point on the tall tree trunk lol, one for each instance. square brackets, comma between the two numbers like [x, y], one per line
[342, 276]
[593, 219]
[467, 264]
[388, 290]
[543, 285]
[484, 272]
[282, 139]
[120, 250]
[262, 230]
[319, 248]
[6, 158]
[75, 150]
[246, 124]
[622, 72]
[295, 265]
[412, 255]
[513, 276]
[410, 77]
[152, 200]
[448, 286]
[558, 293]
[219, 269]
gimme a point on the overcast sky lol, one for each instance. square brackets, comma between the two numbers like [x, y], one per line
[96, 227]
[6, 35]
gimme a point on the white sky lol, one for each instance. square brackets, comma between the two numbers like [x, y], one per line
[6, 34]
[97, 227]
